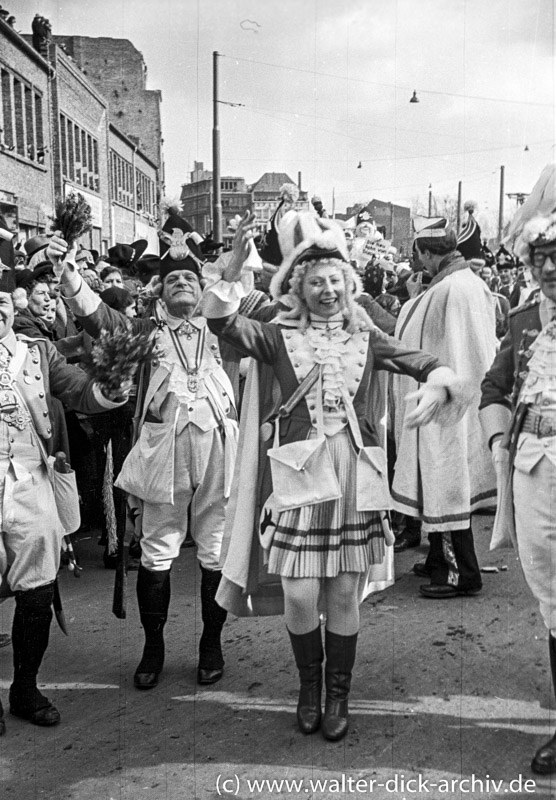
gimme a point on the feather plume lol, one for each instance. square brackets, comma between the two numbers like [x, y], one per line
[116, 355]
[72, 217]
[169, 206]
[470, 206]
[289, 192]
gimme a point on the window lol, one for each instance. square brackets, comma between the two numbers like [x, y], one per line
[21, 122]
[78, 154]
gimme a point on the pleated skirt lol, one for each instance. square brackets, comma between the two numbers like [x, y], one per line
[325, 539]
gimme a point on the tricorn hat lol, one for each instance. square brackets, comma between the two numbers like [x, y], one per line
[125, 256]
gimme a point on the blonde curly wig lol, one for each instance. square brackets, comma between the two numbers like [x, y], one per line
[356, 317]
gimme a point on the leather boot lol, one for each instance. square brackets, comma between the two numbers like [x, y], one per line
[30, 634]
[211, 661]
[309, 655]
[340, 658]
[544, 760]
[153, 594]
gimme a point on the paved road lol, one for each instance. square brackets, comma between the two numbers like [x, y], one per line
[452, 693]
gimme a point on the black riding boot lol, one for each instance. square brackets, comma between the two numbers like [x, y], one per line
[340, 658]
[309, 655]
[211, 660]
[30, 633]
[544, 760]
[153, 594]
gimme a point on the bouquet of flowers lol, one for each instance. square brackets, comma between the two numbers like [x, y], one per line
[73, 217]
[116, 357]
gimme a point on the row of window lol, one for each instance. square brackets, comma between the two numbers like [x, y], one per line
[138, 194]
[21, 107]
[78, 155]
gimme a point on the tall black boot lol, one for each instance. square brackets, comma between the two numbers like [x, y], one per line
[153, 594]
[30, 633]
[309, 655]
[340, 658]
[544, 760]
[211, 660]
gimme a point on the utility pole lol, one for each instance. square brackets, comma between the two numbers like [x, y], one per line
[501, 206]
[216, 196]
[430, 199]
[458, 215]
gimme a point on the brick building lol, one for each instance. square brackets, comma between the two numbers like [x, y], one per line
[119, 72]
[62, 130]
[26, 179]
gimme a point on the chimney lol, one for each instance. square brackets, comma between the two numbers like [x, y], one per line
[299, 181]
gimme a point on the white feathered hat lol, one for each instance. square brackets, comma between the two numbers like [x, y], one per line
[304, 237]
[535, 221]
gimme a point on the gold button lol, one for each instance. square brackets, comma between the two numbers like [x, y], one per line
[45, 413]
[41, 394]
[37, 377]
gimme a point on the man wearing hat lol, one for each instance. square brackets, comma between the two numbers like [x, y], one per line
[33, 376]
[443, 474]
[126, 256]
[518, 412]
[188, 433]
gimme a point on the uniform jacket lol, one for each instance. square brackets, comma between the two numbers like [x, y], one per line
[503, 381]
[45, 375]
[280, 345]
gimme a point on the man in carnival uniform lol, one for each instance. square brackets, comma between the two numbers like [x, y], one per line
[444, 474]
[32, 373]
[184, 458]
[321, 548]
[518, 411]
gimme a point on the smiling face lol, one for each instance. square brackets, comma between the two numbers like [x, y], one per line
[6, 314]
[545, 275]
[181, 291]
[324, 289]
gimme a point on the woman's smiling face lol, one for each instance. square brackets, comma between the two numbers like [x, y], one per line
[324, 289]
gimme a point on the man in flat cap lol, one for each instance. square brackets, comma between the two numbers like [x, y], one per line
[444, 474]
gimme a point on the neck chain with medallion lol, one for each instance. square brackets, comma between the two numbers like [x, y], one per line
[192, 371]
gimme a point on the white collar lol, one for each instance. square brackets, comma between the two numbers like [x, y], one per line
[336, 321]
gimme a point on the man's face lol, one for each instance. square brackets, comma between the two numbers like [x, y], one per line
[6, 314]
[181, 291]
[113, 279]
[543, 267]
[39, 299]
[505, 274]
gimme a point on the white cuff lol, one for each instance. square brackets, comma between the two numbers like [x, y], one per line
[85, 302]
[104, 401]
[213, 271]
[223, 298]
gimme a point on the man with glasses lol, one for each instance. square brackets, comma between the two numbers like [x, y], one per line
[518, 412]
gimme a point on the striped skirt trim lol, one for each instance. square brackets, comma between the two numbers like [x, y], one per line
[325, 539]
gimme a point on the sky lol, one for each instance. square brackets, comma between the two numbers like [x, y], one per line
[322, 86]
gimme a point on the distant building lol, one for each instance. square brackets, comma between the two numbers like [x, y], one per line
[196, 198]
[266, 196]
[262, 197]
